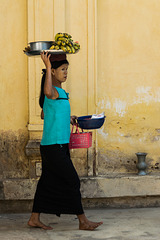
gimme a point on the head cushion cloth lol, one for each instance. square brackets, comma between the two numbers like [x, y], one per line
[57, 57]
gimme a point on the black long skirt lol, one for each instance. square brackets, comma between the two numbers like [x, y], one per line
[58, 189]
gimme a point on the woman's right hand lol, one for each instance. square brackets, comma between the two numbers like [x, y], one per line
[46, 59]
[42, 114]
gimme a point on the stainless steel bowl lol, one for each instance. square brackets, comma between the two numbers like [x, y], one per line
[40, 45]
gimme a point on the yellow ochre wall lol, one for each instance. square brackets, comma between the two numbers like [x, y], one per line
[116, 71]
[13, 89]
[128, 83]
[13, 66]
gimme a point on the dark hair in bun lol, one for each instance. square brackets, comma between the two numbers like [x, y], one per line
[57, 64]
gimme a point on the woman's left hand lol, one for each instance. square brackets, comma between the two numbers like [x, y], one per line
[73, 119]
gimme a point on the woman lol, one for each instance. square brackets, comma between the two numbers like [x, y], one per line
[58, 190]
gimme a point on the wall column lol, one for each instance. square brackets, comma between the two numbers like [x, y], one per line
[92, 80]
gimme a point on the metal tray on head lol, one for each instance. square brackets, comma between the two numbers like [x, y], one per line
[38, 52]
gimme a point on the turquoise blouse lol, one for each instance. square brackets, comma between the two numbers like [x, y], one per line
[56, 128]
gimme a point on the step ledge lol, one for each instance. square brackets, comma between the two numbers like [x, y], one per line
[115, 185]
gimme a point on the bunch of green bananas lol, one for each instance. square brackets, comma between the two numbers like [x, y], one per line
[64, 42]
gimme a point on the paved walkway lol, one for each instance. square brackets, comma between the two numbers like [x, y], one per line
[119, 224]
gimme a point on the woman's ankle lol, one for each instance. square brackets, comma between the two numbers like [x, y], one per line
[82, 218]
[35, 216]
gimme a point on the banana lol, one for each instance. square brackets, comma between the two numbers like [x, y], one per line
[61, 39]
[75, 47]
[64, 41]
[57, 47]
[52, 47]
[64, 49]
[70, 44]
[59, 42]
[67, 41]
[69, 50]
[58, 35]
[73, 50]
[67, 35]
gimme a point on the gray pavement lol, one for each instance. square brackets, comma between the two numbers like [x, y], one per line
[119, 224]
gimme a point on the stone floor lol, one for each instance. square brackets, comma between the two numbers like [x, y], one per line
[119, 224]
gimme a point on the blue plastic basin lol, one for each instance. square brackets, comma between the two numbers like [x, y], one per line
[85, 122]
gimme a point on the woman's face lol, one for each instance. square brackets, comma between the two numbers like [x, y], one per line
[60, 73]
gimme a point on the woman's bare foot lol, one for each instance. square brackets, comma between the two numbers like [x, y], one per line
[85, 224]
[34, 221]
[89, 225]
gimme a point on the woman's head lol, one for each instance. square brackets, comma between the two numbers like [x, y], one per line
[59, 66]
[60, 71]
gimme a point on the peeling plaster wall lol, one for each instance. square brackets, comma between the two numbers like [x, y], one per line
[128, 84]
[13, 90]
[13, 161]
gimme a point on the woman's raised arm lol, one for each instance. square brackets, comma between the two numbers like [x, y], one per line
[49, 90]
